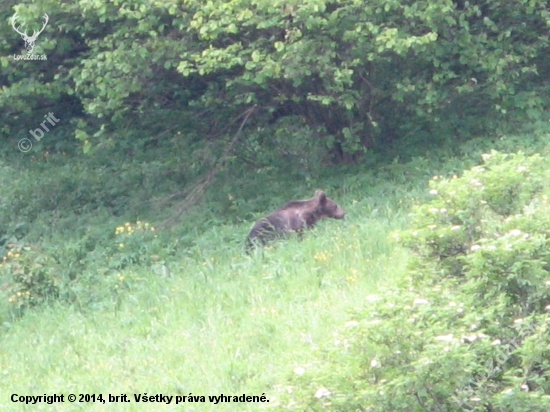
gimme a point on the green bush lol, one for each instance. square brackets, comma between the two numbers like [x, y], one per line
[479, 205]
[356, 75]
[82, 270]
[467, 328]
[134, 244]
[29, 276]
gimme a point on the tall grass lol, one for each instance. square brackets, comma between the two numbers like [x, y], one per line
[217, 321]
[206, 318]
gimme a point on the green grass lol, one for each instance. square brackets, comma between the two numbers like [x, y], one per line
[209, 319]
[218, 321]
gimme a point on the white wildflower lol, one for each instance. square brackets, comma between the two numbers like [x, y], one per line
[470, 339]
[321, 393]
[445, 338]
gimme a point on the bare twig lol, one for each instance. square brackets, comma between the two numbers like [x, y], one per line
[192, 194]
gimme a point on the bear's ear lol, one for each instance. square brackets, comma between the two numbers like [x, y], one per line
[321, 197]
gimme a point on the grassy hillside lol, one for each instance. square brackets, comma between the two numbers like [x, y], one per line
[217, 321]
[229, 324]
[186, 311]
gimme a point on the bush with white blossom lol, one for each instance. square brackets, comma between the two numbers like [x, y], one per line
[467, 328]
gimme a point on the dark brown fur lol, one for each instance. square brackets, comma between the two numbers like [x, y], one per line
[295, 216]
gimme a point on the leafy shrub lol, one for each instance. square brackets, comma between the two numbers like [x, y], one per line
[85, 270]
[134, 244]
[478, 205]
[29, 276]
[467, 329]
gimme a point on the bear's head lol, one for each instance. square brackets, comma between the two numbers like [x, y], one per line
[328, 207]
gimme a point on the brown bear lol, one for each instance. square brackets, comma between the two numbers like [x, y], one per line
[294, 216]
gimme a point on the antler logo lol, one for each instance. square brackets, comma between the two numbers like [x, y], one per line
[29, 40]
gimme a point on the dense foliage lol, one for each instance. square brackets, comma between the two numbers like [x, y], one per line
[325, 78]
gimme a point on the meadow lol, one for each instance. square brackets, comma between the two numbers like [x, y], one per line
[208, 319]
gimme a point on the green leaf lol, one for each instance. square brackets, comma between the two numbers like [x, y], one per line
[81, 135]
